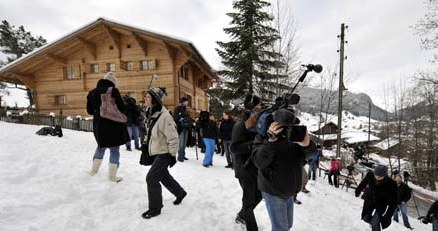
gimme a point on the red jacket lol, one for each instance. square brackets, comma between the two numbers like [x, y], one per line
[335, 166]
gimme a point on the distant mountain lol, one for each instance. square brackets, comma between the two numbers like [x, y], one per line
[356, 104]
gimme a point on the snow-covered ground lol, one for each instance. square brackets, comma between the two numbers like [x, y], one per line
[45, 186]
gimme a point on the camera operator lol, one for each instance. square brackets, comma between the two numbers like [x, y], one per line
[242, 140]
[280, 167]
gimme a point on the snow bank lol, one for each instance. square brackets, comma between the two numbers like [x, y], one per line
[45, 186]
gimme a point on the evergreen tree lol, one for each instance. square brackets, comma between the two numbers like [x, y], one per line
[249, 60]
[16, 42]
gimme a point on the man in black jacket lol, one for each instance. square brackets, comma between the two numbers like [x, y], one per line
[133, 115]
[381, 197]
[432, 214]
[403, 196]
[280, 169]
[242, 140]
[225, 131]
[183, 124]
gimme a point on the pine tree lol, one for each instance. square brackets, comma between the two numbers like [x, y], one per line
[249, 60]
[16, 42]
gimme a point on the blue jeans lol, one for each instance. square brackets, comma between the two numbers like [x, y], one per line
[435, 224]
[404, 211]
[209, 151]
[183, 136]
[133, 131]
[114, 154]
[280, 210]
[375, 222]
[312, 170]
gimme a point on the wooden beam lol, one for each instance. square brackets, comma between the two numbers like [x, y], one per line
[115, 38]
[141, 42]
[89, 47]
[186, 52]
[57, 59]
[28, 80]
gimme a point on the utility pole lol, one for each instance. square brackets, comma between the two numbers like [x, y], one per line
[341, 87]
[369, 129]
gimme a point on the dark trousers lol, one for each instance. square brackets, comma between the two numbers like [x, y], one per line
[250, 199]
[227, 146]
[335, 178]
[159, 173]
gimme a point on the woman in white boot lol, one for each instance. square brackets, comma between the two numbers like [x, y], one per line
[108, 133]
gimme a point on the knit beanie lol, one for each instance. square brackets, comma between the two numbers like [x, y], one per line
[111, 76]
[381, 170]
[157, 94]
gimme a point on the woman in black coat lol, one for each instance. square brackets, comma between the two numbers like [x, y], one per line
[108, 133]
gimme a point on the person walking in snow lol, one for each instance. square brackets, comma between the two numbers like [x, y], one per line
[184, 126]
[404, 194]
[334, 171]
[209, 134]
[225, 131]
[380, 199]
[162, 146]
[406, 177]
[108, 133]
[314, 163]
[133, 115]
[280, 168]
[242, 139]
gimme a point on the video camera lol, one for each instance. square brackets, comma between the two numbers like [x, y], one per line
[282, 111]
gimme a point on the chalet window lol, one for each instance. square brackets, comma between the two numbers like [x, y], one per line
[111, 67]
[189, 97]
[183, 73]
[70, 73]
[129, 66]
[148, 65]
[60, 100]
[94, 68]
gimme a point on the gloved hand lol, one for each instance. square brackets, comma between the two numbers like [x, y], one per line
[357, 193]
[251, 122]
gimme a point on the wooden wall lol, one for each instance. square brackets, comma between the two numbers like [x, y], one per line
[50, 81]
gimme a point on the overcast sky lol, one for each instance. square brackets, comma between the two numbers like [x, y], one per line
[382, 45]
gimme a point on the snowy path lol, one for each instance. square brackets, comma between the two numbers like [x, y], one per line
[44, 186]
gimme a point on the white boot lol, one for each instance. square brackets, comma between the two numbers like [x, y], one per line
[95, 167]
[113, 172]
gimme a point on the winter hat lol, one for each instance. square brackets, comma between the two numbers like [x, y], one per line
[183, 99]
[285, 117]
[111, 76]
[157, 94]
[381, 170]
[251, 101]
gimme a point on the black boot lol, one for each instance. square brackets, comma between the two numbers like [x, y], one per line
[179, 199]
[151, 213]
[240, 219]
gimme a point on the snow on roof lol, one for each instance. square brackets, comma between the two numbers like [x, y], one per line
[350, 137]
[386, 144]
[358, 137]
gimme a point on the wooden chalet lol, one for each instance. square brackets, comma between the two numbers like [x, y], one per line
[61, 73]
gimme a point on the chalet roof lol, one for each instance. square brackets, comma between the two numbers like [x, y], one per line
[7, 74]
[386, 144]
[350, 137]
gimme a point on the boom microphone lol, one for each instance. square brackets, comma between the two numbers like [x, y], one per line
[316, 68]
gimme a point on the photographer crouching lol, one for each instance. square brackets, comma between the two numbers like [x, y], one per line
[279, 160]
